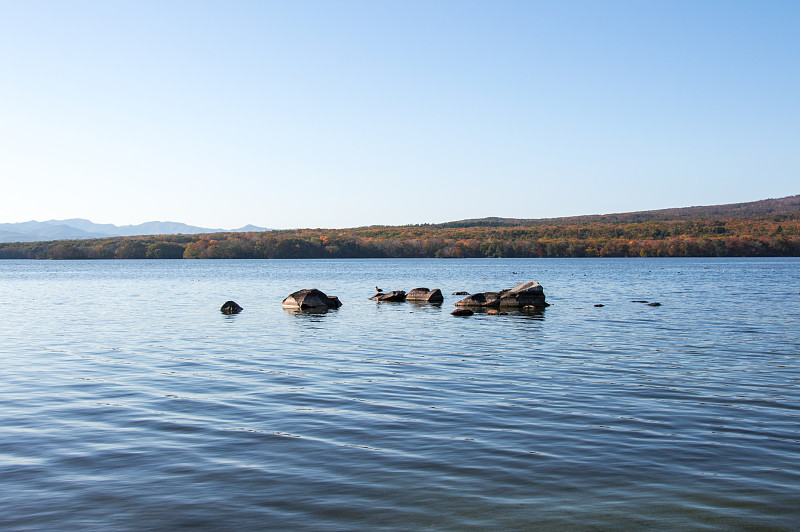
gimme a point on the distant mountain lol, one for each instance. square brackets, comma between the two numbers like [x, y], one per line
[79, 228]
[786, 205]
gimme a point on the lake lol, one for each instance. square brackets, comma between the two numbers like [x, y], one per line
[129, 402]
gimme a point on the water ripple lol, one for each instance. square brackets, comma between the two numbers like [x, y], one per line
[386, 417]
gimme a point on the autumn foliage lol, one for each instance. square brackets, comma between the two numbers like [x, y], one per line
[750, 236]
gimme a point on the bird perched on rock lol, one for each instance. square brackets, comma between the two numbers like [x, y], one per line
[378, 289]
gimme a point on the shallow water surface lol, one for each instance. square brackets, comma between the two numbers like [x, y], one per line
[128, 401]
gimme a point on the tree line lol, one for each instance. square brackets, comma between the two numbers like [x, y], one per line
[755, 236]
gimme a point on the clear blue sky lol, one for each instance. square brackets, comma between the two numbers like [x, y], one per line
[339, 114]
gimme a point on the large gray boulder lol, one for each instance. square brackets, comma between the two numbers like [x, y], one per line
[524, 295]
[530, 294]
[310, 299]
[423, 294]
[394, 295]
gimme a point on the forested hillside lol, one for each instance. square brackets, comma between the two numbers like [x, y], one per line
[787, 205]
[762, 228]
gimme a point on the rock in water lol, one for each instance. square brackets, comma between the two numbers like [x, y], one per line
[530, 294]
[423, 294]
[482, 299]
[311, 299]
[394, 295]
[231, 307]
[523, 295]
[462, 312]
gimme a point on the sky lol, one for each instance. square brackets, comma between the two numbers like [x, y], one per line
[347, 113]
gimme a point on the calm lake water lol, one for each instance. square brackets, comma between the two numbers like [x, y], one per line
[129, 402]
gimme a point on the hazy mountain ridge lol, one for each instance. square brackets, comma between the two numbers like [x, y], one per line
[80, 228]
[785, 205]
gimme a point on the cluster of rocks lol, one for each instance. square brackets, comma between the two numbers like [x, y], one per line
[525, 296]
[653, 304]
[522, 296]
[417, 294]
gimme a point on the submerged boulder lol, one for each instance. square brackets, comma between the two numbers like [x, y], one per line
[530, 294]
[394, 295]
[231, 307]
[423, 294]
[462, 312]
[311, 299]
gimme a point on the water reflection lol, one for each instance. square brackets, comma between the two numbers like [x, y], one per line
[425, 306]
[314, 315]
[536, 313]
